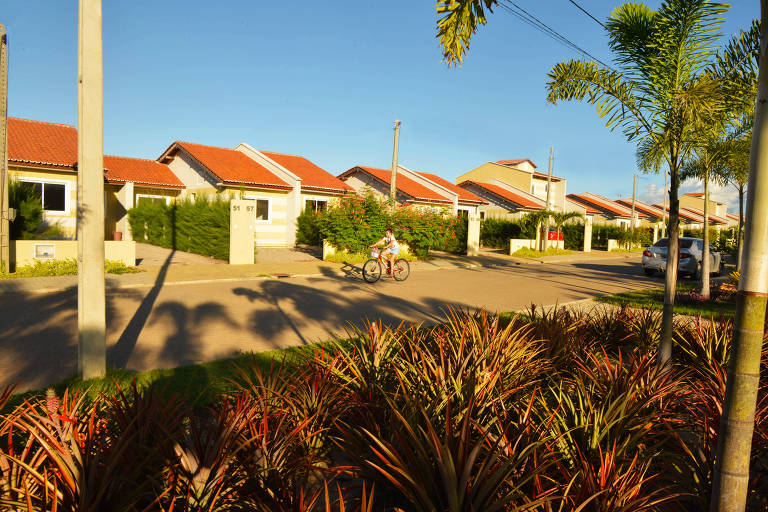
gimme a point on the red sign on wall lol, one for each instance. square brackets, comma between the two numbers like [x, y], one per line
[554, 235]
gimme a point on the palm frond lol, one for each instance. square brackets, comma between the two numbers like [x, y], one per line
[457, 23]
[609, 91]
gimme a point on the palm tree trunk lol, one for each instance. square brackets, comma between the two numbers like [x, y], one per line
[740, 233]
[705, 252]
[670, 275]
[731, 477]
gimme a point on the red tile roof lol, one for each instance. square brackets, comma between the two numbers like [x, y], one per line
[712, 218]
[516, 161]
[643, 208]
[464, 195]
[601, 203]
[231, 166]
[311, 175]
[590, 209]
[404, 184]
[701, 194]
[40, 144]
[733, 216]
[684, 214]
[521, 199]
[120, 169]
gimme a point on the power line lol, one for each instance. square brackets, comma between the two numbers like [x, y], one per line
[545, 29]
[588, 14]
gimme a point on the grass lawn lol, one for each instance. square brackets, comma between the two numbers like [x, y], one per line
[654, 298]
[66, 267]
[200, 383]
[525, 252]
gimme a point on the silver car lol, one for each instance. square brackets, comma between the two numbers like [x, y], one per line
[691, 249]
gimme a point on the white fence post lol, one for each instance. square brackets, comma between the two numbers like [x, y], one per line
[242, 214]
[473, 234]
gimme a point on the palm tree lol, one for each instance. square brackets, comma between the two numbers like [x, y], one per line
[708, 160]
[560, 218]
[659, 93]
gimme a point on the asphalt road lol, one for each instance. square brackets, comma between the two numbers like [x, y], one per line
[175, 324]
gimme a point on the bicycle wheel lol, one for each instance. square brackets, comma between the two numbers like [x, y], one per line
[402, 270]
[372, 270]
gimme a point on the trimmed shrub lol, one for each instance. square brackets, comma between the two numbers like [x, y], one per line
[573, 236]
[200, 226]
[356, 222]
[308, 228]
[29, 210]
[601, 233]
[497, 232]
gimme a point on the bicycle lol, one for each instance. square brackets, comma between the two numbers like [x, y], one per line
[373, 268]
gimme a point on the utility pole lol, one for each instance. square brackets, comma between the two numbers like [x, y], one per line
[393, 184]
[549, 185]
[91, 311]
[634, 191]
[5, 235]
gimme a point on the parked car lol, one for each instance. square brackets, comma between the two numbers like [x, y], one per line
[691, 252]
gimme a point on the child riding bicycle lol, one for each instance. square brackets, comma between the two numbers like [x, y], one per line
[391, 249]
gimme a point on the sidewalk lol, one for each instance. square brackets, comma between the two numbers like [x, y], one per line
[170, 274]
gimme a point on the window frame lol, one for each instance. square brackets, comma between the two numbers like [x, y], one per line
[43, 182]
[167, 199]
[315, 200]
[256, 208]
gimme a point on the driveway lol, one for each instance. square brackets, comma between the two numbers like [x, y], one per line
[172, 324]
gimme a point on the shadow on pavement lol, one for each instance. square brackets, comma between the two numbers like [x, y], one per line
[119, 353]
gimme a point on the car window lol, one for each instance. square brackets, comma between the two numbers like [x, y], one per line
[664, 242]
[686, 244]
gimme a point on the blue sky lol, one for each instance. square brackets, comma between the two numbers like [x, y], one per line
[326, 80]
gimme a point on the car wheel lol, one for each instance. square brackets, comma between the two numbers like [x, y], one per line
[697, 274]
[649, 272]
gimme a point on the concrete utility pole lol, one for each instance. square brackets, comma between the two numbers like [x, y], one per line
[5, 235]
[634, 192]
[91, 311]
[393, 184]
[549, 186]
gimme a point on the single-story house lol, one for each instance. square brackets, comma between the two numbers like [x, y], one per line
[412, 189]
[653, 214]
[696, 200]
[282, 185]
[503, 201]
[129, 182]
[45, 155]
[692, 218]
[521, 174]
[733, 219]
[610, 212]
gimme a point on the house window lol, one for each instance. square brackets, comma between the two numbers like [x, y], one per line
[147, 198]
[315, 205]
[482, 215]
[53, 195]
[462, 214]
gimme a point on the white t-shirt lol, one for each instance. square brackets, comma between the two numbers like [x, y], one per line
[390, 240]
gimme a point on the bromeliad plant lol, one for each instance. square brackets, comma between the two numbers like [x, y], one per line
[554, 410]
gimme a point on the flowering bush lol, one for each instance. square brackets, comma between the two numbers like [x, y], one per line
[356, 222]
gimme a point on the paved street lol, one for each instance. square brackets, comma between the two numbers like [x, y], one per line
[172, 324]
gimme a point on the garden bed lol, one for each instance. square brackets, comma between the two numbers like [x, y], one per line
[552, 410]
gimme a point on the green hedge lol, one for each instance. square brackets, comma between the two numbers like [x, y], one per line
[573, 236]
[496, 232]
[308, 228]
[200, 226]
[356, 222]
